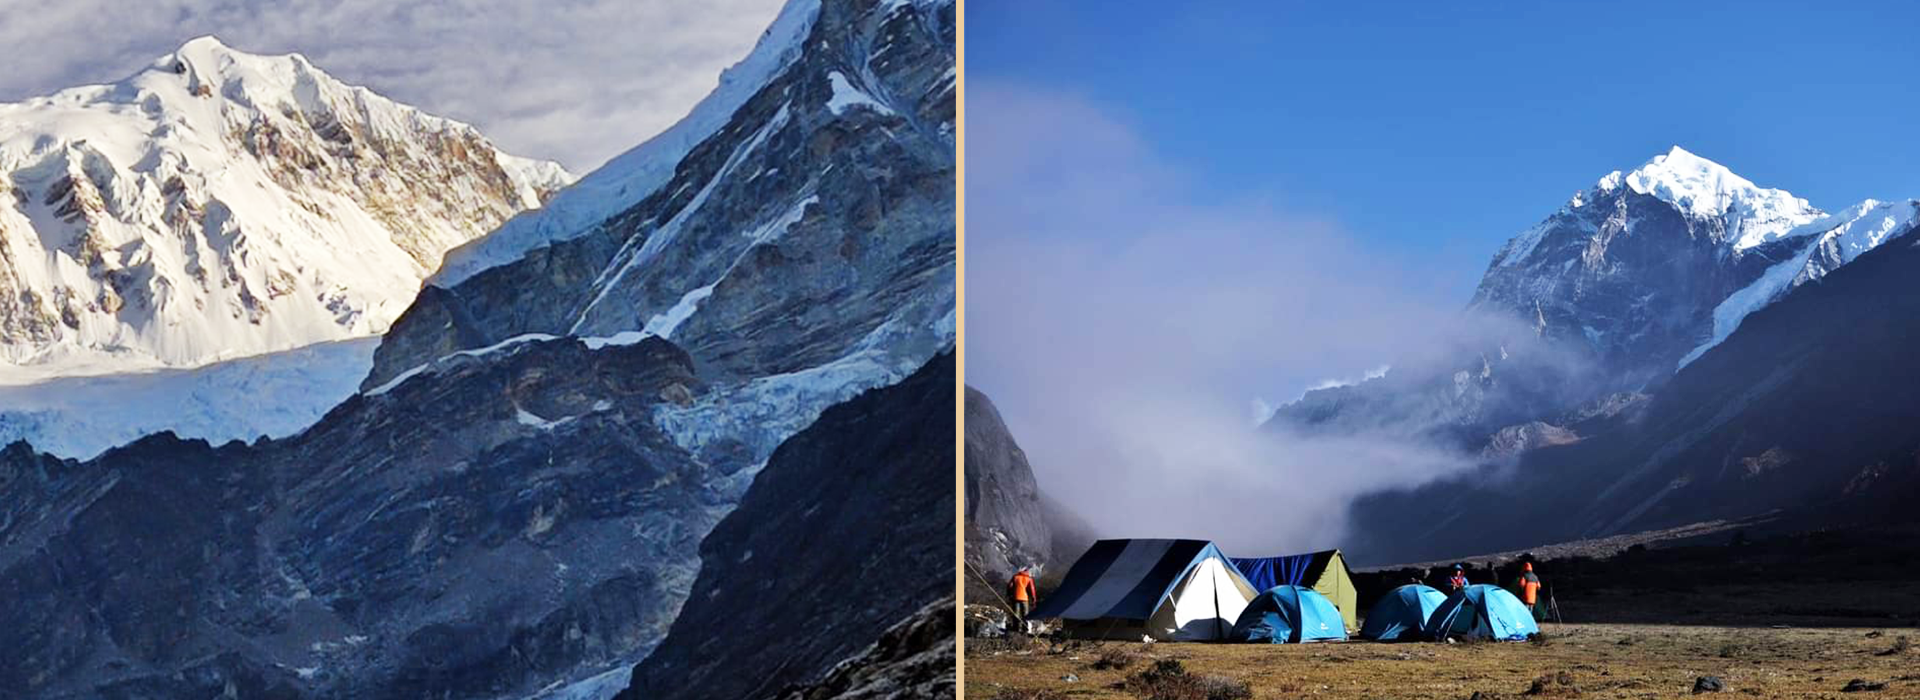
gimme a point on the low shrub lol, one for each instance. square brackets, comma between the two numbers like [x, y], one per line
[1900, 646]
[1217, 687]
[1167, 679]
[1117, 658]
[1022, 694]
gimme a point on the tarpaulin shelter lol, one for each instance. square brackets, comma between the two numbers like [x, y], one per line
[1325, 572]
[1170, 590]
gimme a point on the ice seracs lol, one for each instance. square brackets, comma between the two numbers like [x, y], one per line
[272, 395]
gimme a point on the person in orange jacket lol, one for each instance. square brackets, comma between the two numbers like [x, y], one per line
[1529, 586]
[1024, 595]
[1459, 579]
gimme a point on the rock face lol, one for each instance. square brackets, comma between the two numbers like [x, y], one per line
[810, 235]
[1806, 408]
[518, 496]
[508, 518]
[1631, 270]
[1006, 517]
[220, 204]
[1629, 281]
[1514, 440]
[1589, 328]
[847, 531]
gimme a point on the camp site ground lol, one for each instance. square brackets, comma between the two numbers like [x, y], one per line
[1780, 616]
[1598, 661]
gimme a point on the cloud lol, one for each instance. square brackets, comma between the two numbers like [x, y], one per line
[1122, 320]
[578, 81]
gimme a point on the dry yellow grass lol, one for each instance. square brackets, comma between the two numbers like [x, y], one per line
[1601, 660]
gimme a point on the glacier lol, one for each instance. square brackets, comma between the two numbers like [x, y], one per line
[1843, 236]
[273, 395]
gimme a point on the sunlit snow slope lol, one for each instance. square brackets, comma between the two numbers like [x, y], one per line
[219, 204]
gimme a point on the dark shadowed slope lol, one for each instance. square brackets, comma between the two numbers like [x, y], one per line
[1810, 405]
[847, 531]
[914, 659]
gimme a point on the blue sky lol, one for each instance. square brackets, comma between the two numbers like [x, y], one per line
[1180, 213]
[1441, 129]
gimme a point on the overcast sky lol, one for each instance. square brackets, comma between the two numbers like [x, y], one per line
[576, 81]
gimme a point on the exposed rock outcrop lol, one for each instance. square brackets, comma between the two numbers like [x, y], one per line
[847, 531]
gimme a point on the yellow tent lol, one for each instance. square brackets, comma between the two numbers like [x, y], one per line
[1325, 572]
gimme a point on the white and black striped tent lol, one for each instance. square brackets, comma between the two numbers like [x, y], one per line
[1170, 590]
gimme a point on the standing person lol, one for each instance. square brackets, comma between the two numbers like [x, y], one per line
[1530, 591]
[1459, 580]
[1024, 594]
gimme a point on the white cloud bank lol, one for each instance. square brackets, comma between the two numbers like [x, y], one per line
[1121, 318]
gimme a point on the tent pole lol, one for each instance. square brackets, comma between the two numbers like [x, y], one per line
[1218, 611]
[996, 594]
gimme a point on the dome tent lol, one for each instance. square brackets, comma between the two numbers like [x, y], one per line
[1289, 615]
[1482, 611]
[1402, 613]
[1169, 590]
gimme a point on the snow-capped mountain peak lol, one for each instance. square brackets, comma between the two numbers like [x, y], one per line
[220, 204]
[1704, 189]
[1651, 267]
[1739, 214]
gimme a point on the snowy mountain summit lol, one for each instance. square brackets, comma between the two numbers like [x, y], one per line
[1705, 189]
[1650, 268]
[1748, 215]
[1625, 284]
[219, 204]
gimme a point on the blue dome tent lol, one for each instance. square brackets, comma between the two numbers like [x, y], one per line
[1482, 611]
[1289, 615]
[1402, 613]
[1325, 572]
